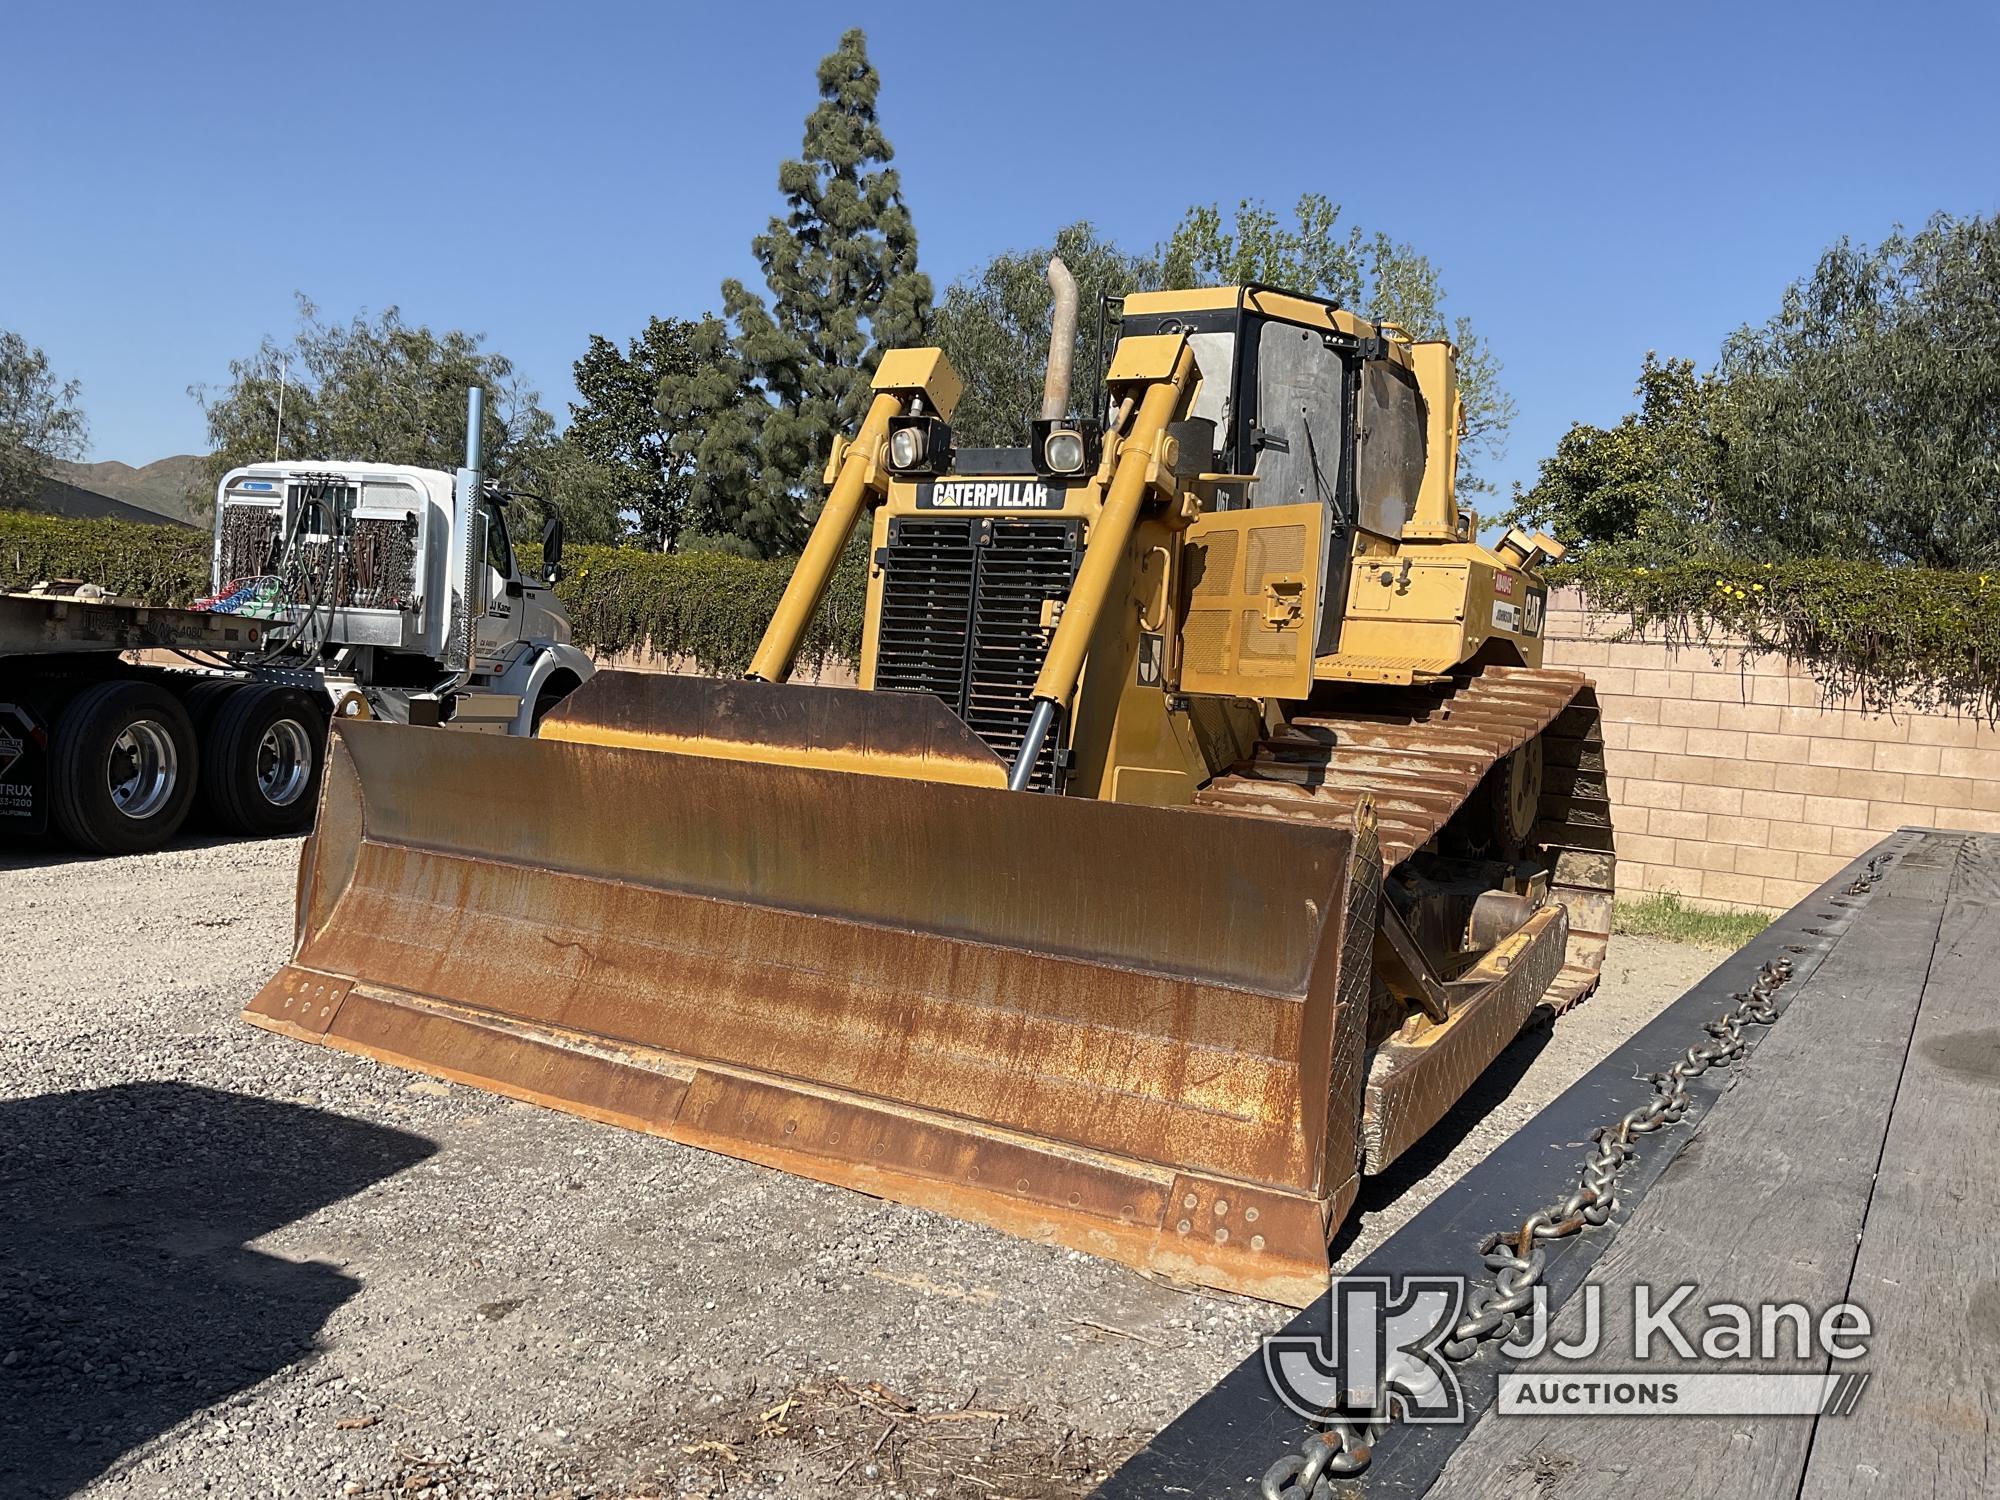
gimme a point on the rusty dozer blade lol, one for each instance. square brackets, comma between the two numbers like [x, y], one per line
[1137, 1032]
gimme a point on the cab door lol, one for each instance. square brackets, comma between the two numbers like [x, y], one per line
[1303, 394]
[1251, 590]
[499, 626]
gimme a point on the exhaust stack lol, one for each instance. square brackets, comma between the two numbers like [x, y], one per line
[1062, 342]
[459, 653]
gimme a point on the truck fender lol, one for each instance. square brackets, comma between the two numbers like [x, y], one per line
[548, 661]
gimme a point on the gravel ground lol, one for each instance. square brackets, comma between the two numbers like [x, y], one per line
[238, 1266]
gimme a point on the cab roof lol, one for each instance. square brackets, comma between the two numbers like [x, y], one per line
[1269, 302]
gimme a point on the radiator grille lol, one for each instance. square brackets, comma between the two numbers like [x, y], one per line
[962, 604]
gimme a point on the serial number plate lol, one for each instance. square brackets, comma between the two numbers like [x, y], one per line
[989, 494]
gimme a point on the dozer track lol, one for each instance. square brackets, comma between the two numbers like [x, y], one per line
[1419, 755]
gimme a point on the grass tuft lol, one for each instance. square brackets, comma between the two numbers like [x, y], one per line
[1664, 916]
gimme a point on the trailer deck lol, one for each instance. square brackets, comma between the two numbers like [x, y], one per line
[1845, 1158]
[61, 624]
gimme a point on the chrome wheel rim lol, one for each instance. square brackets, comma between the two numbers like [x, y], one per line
[141, 769]
[284, 763]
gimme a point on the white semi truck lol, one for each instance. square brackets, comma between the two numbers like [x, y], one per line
[338, 588]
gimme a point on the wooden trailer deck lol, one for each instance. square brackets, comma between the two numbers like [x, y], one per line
[1848, 1158]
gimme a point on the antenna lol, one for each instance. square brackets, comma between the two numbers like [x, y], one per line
[279, 436]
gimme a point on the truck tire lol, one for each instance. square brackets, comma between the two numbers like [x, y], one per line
[261, 760]
[201, 698]
[122, 767]
[560, 685]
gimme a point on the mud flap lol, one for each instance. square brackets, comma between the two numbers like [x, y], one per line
[1135, 1031]
[24, 770]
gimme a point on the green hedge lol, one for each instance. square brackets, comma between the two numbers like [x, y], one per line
[1896, 637]
[708, 606]
[1893, 635]
[159, 564]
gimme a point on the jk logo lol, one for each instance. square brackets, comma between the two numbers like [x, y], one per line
[1380, 1355]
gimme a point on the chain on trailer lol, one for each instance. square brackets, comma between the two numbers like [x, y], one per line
[306, 573]
[1346, 1444]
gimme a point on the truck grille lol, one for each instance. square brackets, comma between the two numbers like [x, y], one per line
[962, 618]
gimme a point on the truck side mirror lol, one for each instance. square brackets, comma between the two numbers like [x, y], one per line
[552, 549]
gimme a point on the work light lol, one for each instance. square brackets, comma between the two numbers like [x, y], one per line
[1063, 449]
[918, 445]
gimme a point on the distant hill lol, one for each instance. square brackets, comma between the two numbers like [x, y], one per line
[56, 497]
[169, 487]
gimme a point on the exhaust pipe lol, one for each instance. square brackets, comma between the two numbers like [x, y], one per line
[1062, 342]
[459, 650]
[1055, 406]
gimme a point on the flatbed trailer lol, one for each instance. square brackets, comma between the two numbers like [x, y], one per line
[54, 624]
[1837, 1162]
[103, 742]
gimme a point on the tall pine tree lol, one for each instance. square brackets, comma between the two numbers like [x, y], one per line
[780, 378]
[619, 428]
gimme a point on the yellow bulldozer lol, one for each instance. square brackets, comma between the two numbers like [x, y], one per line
[1203, 823]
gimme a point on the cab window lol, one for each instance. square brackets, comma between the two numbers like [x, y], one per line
[499, 551]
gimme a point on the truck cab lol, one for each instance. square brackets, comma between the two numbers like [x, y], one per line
[353, 566]
[522, 611]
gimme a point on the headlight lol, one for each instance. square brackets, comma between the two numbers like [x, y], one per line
[1063, 448]
[906, 448]
[918, 445]
[1063, 453]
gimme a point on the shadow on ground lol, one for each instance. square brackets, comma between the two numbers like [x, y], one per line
[41, 851]
[128, 1300]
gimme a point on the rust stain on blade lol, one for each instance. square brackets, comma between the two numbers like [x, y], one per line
[1036, 1012]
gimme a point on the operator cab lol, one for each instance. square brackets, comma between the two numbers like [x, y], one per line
[1310, 405]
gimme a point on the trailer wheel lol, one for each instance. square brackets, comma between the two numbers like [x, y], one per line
[122, 767]
[261, 760]
[202, 697]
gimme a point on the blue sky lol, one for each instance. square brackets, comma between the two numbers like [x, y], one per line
[1593, 181]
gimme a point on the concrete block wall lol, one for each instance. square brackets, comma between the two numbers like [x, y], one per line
[1735, 782]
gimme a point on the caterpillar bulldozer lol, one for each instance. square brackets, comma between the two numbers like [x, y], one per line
[1202, 826]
